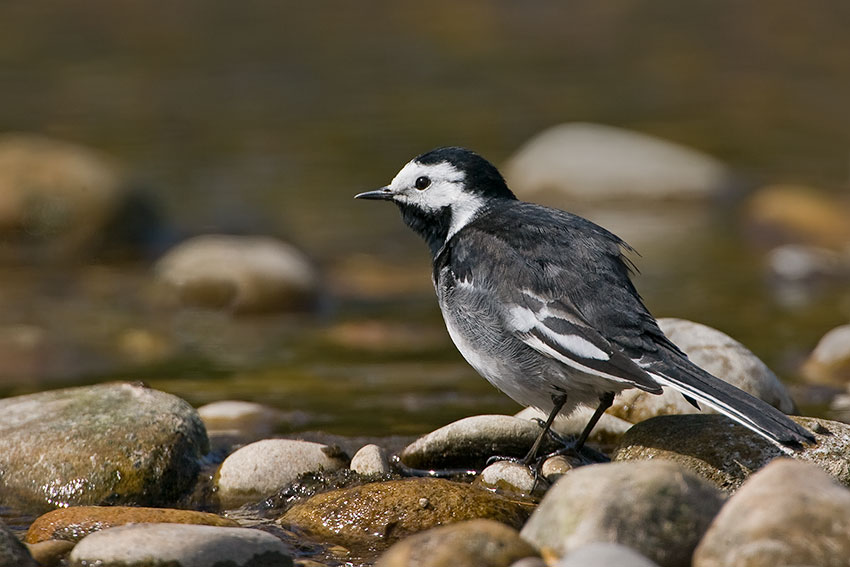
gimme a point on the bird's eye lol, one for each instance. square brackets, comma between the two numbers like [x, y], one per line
[422, 183]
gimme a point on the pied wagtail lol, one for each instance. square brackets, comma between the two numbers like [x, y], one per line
[540, 301]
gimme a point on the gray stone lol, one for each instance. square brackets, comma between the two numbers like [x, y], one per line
[829, 363]
[181, 545]
[596, 162]
[264, 467]
[237, 417]
[51, 552]
[469, 442]
[657, 508]
[789, 513]
[512, 477]
[605, 555]
[718, 354]
[13, 553]
[473, 543]
[242, 274]
[115, 443]
[370, 460]
[375, 515]
[720, 450]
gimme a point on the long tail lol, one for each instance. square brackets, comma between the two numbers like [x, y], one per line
[749, 411]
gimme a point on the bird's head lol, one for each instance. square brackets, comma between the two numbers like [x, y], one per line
[441, 191]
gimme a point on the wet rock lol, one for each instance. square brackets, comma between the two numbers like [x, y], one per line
[657, 508]
[474, 543]
[469, 442]
[373, 516]
[555, 467]
[605, 555]
[242, 274]
[181, 545]
[115, 443]
[76, 522]
[511, 477]
[13, 553]
[606, 433]
[370, 460]
[716, 353]
[51, 553]
[265, 467]
[789, 513]
[725, 453]
[55, 197]
[783, 214]
[597, 162]
[829, 363]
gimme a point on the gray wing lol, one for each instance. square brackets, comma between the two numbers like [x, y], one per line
[551, 302]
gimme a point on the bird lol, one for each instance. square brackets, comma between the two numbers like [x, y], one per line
[541, 303]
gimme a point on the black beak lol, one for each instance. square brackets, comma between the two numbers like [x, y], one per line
[382, 194]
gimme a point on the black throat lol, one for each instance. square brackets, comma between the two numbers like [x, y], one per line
[432, 226]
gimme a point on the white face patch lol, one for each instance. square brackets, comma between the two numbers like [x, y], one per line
[445, 190]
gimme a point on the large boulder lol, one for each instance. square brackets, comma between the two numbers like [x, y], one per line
[115, 443]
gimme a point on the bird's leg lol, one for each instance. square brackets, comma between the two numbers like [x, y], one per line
[606, 400]
[558, 400]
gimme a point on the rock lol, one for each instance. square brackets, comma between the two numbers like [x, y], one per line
[474, 543]
[511, 477]
[242, 274]
[657, 508]
[839, 407]
[529, 562]
[370, 460]
[264, 467]
[248, 419]
[793, 214]
[801, 264]
[373, 516]
[76, 522]
[555, 467]
[605, 555]
[181, 545]
[116, 443]
[51, 553]
[789, 513]
[469, 442]
[55, 197]
[716, 353]
[725, 453]
[607, 432]
[13, 553]
[597, 162]
[829, 363]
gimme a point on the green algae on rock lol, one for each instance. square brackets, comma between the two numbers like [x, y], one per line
[116, 443]
[373, 516]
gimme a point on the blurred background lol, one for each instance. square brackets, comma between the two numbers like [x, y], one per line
[714, 136]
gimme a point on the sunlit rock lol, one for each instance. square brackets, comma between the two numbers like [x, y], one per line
[376, 515]
[657, 508]
[143, 545]
[597, 162]
[472, 543]
[265, 467]
[726, 453]
[605, 555]
[789, 513]
[829, 363]
[241, 274]
[76, 522]
[370, 460]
